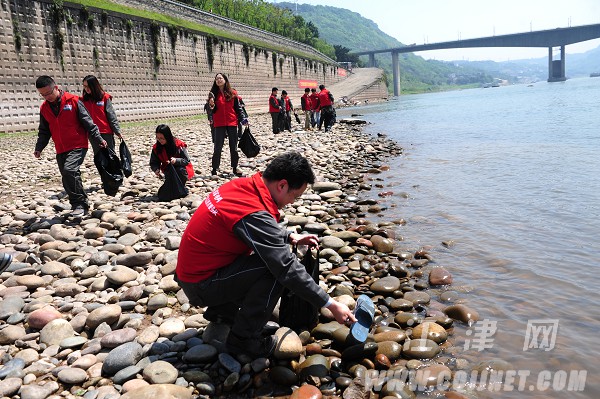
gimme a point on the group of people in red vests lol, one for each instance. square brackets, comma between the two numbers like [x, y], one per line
[317, 108]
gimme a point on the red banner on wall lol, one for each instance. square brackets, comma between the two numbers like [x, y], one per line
[304, 83]
[341, 72]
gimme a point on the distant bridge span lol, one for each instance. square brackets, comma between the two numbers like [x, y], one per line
[544, 38]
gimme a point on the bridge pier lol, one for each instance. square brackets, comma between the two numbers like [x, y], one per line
[556, 68]
[396, 73]
[372, 60]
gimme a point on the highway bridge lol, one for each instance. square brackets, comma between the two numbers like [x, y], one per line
[550, 38]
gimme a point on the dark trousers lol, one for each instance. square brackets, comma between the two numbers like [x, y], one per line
[326, 117]
[275, 120]
[220, 133]
[110, 142]
[247, 285]
[68, 164]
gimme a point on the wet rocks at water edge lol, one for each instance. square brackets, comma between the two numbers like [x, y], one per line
[89, 308]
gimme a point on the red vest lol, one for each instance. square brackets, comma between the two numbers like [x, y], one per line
[97, 110]
[286, 101]
[324, 98]
[225, 114]
[273, 99]
[67, 133]
[208, 242]
[307, 102]
[314, 101]
[164, 158]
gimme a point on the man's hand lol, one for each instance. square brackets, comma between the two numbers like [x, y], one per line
[341, 312]
[37, 154]
[304, 239]
[103, 144]
[119, 135]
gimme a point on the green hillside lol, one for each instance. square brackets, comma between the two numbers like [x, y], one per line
[349, 29]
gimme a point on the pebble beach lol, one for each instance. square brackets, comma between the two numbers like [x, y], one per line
[89, 308]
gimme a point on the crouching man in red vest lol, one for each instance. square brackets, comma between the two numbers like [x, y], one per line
[235, 259]
[64, 118]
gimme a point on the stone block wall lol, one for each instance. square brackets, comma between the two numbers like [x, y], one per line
[119, 49]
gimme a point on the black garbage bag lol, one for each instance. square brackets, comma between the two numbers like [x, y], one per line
[248, 144]
[297, 118]
[174, 185]
[109, 166]
[295, 312]
[125, 159]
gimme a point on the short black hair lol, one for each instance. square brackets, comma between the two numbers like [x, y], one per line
[313, 89]
[292, 167]
[321, 87]
[283, 92]
[274, 89]
[306, 90]
[44, 81]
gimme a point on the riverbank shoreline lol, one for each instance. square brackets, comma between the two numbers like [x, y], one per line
[84, 301]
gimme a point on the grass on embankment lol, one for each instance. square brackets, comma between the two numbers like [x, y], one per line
[193, 26]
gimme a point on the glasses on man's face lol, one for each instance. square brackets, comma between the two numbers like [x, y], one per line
[48, 94]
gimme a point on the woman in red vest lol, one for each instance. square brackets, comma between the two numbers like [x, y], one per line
[99, 105]
[227, 114]
[168, 154]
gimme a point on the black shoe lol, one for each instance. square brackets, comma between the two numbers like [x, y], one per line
[5, 261]
[237, 172]
[213, 172]
[253, 347]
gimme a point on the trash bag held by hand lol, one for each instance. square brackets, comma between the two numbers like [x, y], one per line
[109, 166]
[295, 312]
[173, 187]
[125, 159]
[248, 144]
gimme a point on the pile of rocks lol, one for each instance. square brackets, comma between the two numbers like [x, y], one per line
[90, 308]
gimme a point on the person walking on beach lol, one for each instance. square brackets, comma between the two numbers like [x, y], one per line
[315, 106]
[306, 108]
[64, 118]
[170, 154]
[209, 116]
[235, 259]
[99, 105]
[227, 114]
[274, 110]
[326, 107]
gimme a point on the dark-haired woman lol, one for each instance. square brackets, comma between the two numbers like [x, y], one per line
[99, 105]
[227, 113]
[167, 153]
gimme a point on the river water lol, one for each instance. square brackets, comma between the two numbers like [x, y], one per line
[512, 176]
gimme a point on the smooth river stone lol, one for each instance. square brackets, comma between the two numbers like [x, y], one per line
[122, 356]
[170, 391]
[11, 305]
[322, 186]
[382, 244]
[171, 327]
[307, 392]
[392, 335]
[160, 372]
[55, 331]
[417, 297]
[72, 376]
[202, 353]
[462, 313]
[315, 365]
[32, 282]
[108, 314]
[391, 349]
[137, 259]
[289, 345]
[430, 330]
[121, 275]
[386, 285]
[332, 242]
[420, 349]
[440, 276]
[434, 375]
[283, 376]
[118, 337]
[10, 334]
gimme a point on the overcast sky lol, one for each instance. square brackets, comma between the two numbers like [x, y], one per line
[431, 21]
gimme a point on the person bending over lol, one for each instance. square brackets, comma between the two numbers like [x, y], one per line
[235, 259]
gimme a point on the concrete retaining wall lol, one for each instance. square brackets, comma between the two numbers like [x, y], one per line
[119, 50]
